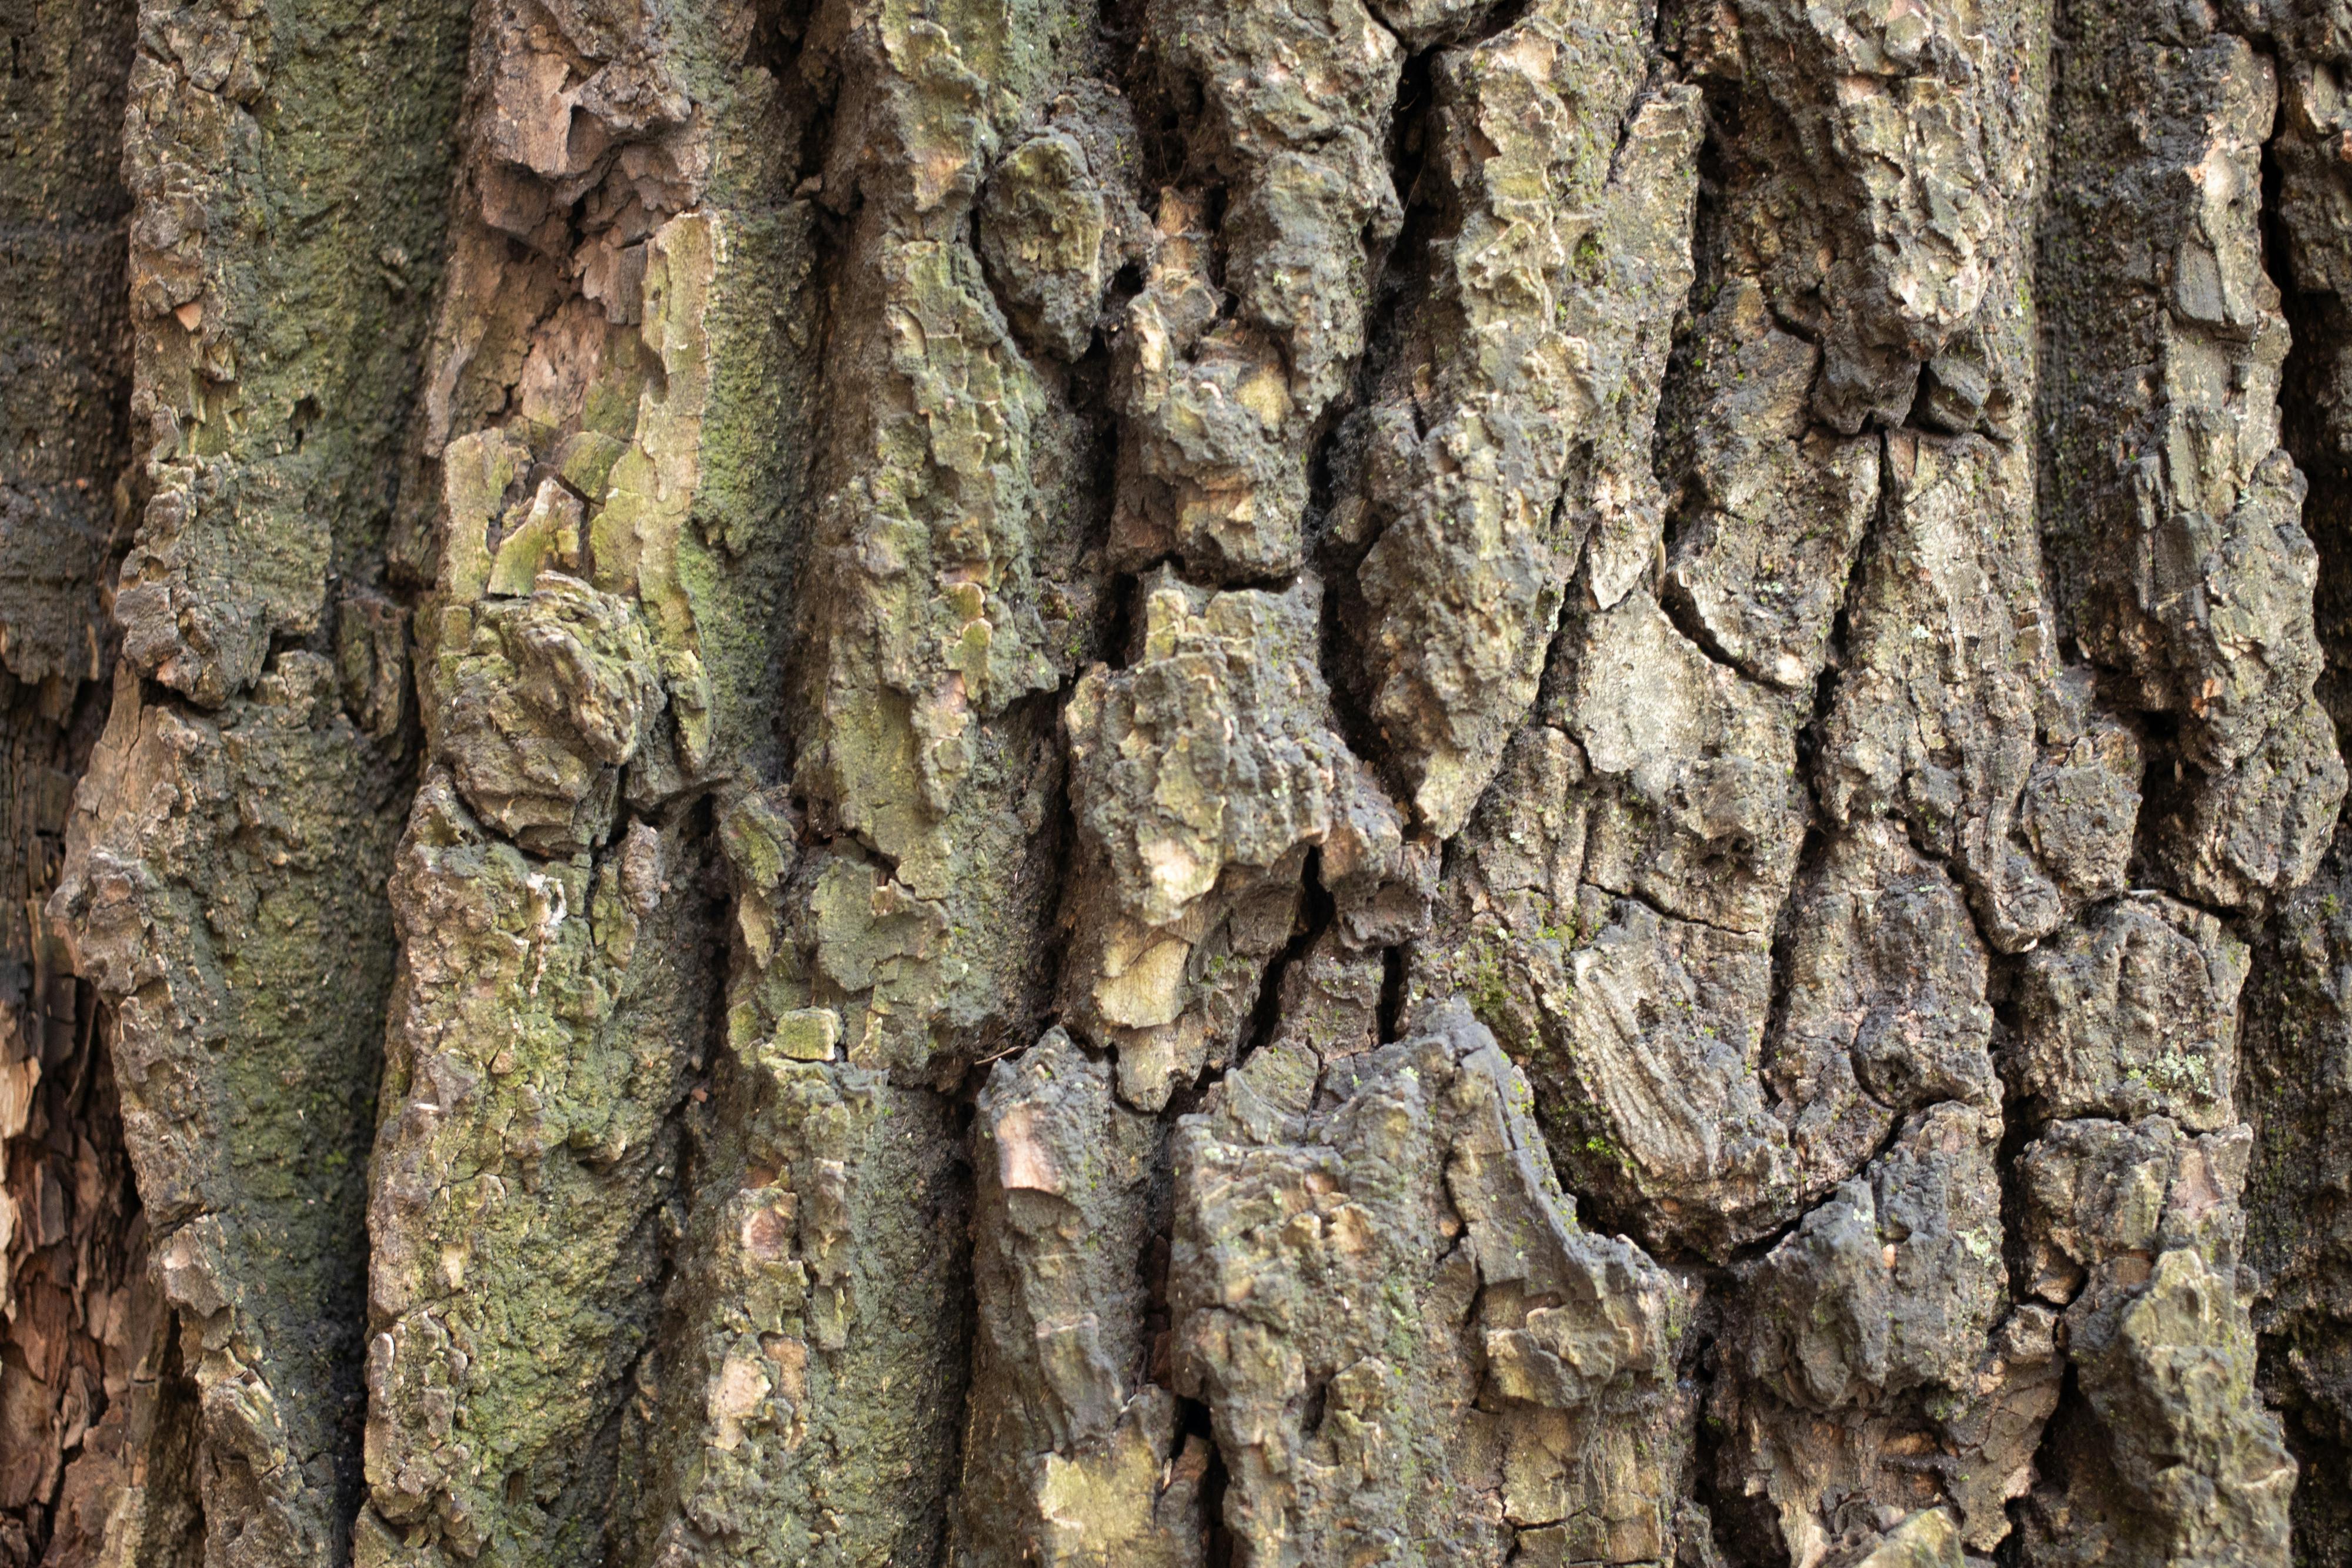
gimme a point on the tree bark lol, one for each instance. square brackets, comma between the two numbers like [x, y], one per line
[1181, 783]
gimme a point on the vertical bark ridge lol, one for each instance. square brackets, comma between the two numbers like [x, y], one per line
[223, 880]
[613, 419]
[2169, 512]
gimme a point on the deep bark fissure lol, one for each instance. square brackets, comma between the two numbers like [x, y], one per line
[2280, 1091]
[69, 1214]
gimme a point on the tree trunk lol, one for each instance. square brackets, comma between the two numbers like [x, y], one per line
[1176, 783]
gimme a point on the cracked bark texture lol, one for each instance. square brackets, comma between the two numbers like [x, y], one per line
[1176, 782]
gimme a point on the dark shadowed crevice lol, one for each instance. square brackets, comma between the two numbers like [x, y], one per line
[1743, 1528]
[688, 1122]
[1062, 838]
[1106, 636]
[1400, 282]
[2285, 1090]
[2017, 1129]
[2289, 1091]
[2054, 1459]
[174, 1504]
[1812, 853]
[1167, 103]
[1394, 969]
[1316, 911]
[2315, 429]
[1219, 1548]
[2164, 779]
[779, 43]
[1683, 614]
[950, 1217]
[72, 1239]
[2018, 1133]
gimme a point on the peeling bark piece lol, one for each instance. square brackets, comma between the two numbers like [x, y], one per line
[573, 85]
[2195, 1449]
[371, 662]
[692, 490]
[2172, 1458]
[1885, 1011]
[807, 1372]
[1043, 223]
[1070, 1457]
[2134, 1013]
[1646, 1034]
[223, 887]
[1872, 1380]
[1537, 324]
[1213, 748]
[1777, 510]
[54, 541]
[2234, 839]
[1296, 99]
[2106, 1197]
[1208, 476]
[1405, 1343]
[131, 1482]
[2194, 573]
[1202, 775]
[1642, 1034]
[542, 705]
[2172, 509]
[2083, 799]
[1942, 716]
[1418, 24]
[1220, 410]
[1994, 1432]
[1902, 137]
[1695, 807]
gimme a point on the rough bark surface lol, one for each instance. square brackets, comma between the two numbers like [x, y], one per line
[1175, 783]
